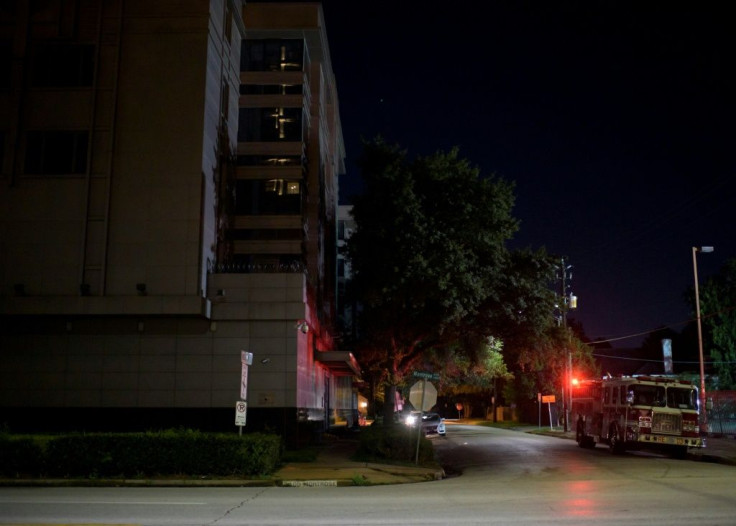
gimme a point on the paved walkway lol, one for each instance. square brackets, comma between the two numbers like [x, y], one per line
[334, 467]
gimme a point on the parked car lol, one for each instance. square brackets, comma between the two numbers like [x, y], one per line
[432, 423]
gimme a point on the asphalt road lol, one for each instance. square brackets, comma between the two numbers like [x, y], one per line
[498, 477]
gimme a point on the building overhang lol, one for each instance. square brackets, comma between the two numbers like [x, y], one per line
[340, 363]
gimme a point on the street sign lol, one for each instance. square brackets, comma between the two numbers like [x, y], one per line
[246, 359]
[423, 395]
[241, 409]
[548, 399]
[426, 375]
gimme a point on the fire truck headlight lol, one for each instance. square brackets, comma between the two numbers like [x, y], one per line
[689, 426]
[645, 422]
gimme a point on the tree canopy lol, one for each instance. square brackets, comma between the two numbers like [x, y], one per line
[718, 314]
[430, 264]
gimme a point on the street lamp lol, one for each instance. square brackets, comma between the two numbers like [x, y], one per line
[704, 420]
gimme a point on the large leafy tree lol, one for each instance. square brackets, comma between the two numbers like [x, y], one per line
[469, 376]
[429, 260]
[718, 313]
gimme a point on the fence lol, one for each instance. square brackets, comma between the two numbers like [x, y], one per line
[722, 415]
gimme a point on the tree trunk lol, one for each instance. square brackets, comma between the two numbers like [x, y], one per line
[389, 398]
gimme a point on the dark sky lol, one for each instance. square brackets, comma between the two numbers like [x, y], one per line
[614, 119]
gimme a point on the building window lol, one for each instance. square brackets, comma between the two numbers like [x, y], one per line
[262, 234]
[272, 55]
[270, 89]
[269, 160]
[268, 197]
[228, 24]
[6, 64]
[61, 65]
[270, 124]
[2, 152]
[56, 152]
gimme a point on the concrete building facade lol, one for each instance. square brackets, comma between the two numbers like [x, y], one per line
[168, 193]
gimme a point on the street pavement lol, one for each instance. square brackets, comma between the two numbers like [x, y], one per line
[334, 466]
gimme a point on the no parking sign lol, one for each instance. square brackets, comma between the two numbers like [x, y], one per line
[241, 408]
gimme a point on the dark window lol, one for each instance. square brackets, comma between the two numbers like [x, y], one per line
[270, 124]
[272, 55]
[270, 89]
[228, 24]
[62, 65]
[269, 160]
[6, 63]
[56, 152]
[268, 197]
[263, 234]
[681, 398]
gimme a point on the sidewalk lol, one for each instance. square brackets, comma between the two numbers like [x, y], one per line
[334, 467]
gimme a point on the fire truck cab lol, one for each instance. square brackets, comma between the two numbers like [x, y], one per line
[631, 412]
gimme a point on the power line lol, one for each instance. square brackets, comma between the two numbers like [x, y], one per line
[668, 326]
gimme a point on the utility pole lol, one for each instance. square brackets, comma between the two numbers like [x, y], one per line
[567, 301]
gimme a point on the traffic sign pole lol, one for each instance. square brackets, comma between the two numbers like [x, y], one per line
[419, 425]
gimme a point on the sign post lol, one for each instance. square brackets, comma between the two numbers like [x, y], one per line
[549, 400]
[539, 407]
[241, 407]
[424, 375]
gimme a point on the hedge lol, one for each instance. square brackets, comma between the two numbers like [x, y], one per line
[172, 452]
[396, 443]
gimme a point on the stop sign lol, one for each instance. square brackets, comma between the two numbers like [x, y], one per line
[430, 396]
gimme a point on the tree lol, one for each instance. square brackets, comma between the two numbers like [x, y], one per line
[467, 374]
[427, 255]
[718, 315]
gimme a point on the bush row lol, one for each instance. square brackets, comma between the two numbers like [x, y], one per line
[172, 452]
[397, 443]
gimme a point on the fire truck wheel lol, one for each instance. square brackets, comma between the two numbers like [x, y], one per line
[580, 437]
[583, 440]
[615, 442]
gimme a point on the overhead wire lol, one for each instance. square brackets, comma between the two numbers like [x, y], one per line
[667, 326]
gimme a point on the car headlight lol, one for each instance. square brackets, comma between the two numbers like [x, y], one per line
[410, 420]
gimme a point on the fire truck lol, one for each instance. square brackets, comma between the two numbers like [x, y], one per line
[633, 412]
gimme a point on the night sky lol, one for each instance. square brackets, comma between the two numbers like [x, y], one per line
[615, 120]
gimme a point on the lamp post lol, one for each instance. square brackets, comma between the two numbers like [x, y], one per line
[704, 419]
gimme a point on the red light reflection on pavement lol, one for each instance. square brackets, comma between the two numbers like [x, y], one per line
[582, 502]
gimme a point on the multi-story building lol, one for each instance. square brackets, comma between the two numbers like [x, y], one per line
[168, 193]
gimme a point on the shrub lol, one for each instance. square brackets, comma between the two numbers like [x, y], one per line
[172, 452]
[20, 456]
[396, 443]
